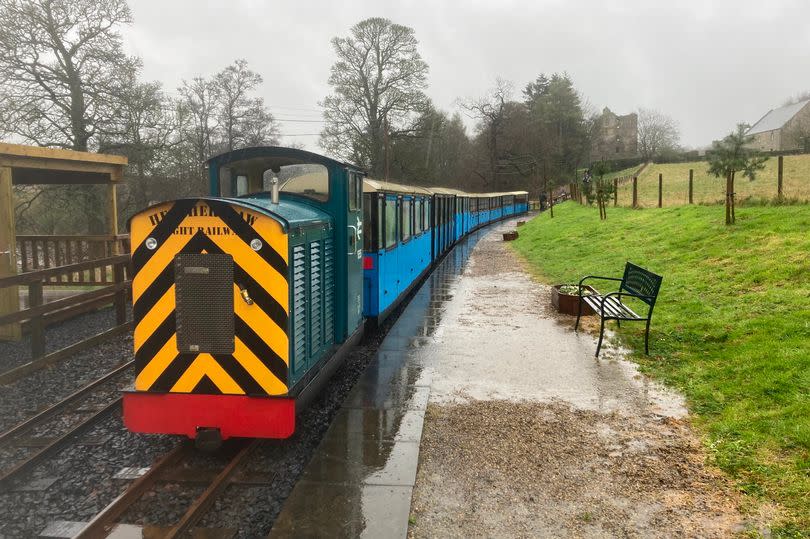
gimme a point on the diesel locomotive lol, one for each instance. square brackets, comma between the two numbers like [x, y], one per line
[245, 301]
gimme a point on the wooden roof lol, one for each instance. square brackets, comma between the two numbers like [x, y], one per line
[37, 165]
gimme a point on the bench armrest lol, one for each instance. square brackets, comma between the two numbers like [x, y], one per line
[595, 277]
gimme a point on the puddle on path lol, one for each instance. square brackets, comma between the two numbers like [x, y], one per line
[499, 340]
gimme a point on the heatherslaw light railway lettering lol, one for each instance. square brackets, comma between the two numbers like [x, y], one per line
[244, 302]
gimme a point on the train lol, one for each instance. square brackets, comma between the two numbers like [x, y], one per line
[245, 301]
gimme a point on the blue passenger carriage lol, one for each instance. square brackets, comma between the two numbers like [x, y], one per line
[398, 240]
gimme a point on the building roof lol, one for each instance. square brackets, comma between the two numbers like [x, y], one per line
[776, 118]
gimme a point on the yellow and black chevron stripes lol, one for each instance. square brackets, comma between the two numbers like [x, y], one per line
[259, 363]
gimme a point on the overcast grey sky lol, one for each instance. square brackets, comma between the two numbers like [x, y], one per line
[708, 64]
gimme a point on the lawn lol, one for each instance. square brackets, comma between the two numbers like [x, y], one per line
[731, 328]
[709, 190]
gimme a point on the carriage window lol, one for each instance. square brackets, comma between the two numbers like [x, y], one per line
[406, 220]
[308, 180]
[380, 218]
[426, 209]
[390, 223]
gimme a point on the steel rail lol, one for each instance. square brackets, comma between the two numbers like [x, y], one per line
[8, 436]
[11, 475]
[102, 523]
[197, 509]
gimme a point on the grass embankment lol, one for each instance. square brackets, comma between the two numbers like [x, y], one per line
[710, 190]
[731, 328]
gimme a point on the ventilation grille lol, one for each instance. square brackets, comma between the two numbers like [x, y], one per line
[204, 303]
[328, 292]
[299, 310]
[315, 298]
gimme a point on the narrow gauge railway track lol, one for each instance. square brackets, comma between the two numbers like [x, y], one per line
[104, 523]
[13, 438]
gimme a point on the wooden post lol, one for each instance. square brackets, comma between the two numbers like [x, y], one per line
[779, 192]
[635, 191]
[120, 295]
[615, 191]
[660, 189]
[9, 296]
[691, 191]
[36, 326]
[551, 202]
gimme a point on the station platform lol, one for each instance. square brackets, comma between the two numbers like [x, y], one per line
[360, 481]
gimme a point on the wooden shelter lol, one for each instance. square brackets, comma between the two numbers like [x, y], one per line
[32, 165]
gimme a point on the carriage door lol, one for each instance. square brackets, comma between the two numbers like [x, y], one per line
[354, 254]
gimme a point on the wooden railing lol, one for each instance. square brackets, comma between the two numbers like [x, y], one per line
[39, 314]
[37, 252]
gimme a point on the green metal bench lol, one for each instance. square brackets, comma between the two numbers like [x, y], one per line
[637, 283]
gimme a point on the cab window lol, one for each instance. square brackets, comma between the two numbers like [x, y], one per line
[355, 191]
[368, 226]
[308, 180]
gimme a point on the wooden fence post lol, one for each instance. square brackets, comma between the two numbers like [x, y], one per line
[615, 191]
[551, 202]
[120, 295]
[779, 192]
[635, 191]
[691, 175]
[36, 325]
[660, 189]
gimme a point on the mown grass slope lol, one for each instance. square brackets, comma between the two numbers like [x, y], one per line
[709, 190]
[731, 328]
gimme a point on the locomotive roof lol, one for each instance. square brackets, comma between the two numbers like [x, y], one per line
[281, 155]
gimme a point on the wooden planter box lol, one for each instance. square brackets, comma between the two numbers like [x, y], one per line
[510, 236]
[569, 303]
[521, 223]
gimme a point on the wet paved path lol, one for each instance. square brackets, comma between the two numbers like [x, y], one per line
[360, 481]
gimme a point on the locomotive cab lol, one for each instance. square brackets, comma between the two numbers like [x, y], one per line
[245, 301]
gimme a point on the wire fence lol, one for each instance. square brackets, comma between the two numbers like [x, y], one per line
[673, 183]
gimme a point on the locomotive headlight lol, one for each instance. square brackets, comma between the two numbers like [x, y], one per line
[151, 243]
[256, 244]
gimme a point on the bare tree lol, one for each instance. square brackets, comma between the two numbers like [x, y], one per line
[490, 111]
[801, 96]
[146, 128]
[657, 132]
[62, 66]
[378, 83]
[244, 119]
[198, 103]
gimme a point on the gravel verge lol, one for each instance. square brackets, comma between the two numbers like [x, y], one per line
[57, 336]
[27, 396]
[505, 469]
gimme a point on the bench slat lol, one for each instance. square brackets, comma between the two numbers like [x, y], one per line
[613, 307]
